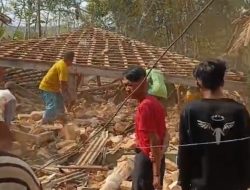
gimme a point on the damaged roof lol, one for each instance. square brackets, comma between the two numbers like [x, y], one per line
[99, 48]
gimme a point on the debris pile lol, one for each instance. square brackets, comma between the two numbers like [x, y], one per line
[85, 153]
[82, 154]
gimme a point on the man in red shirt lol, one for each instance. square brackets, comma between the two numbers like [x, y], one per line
[150, 132]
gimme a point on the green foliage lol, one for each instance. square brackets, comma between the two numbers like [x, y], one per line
[18, 35]
[156, 22]
[2, 30]
[159, 22]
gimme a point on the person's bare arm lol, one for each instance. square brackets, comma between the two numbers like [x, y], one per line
[156, 158]
[161, 150]
[165, 143]
[156, 154]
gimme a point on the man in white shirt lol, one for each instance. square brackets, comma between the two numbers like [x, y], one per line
[7, 103]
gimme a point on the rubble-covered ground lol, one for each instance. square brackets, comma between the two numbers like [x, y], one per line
[86, 153]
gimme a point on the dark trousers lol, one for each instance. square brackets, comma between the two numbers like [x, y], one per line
[143, 172]
[216, 188]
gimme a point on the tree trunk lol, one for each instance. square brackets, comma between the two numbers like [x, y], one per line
[29, 18]
[46, 25]
[39, 18]
[145, 12]
[26, 29]
[2, 7]
[19, 23]
[59, 20]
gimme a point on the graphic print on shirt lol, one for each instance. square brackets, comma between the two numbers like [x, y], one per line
[217, 126]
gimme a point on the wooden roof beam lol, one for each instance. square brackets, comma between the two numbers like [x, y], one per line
[125, 61]
[106, 50]
[78, 49]
[92, 48]
[151, 54]
[62, 49]
[137, 54]
[106, 57]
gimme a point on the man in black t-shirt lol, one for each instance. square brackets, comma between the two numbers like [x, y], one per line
[220, 164]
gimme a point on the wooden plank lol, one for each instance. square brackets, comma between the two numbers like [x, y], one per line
[68, 177]
[98, 149]
[87, 167]
[103, 87]
[98, 81]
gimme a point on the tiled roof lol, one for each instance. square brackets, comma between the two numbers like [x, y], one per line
[100, 49]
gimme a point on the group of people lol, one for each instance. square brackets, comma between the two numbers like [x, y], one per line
[214, 151]
[214, 134]
[15, 173]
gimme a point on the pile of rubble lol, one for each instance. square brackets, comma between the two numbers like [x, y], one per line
[86, 152]
[82, 154]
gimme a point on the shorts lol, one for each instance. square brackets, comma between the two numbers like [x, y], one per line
[54, 106]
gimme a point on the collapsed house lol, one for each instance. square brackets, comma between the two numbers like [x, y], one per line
[90, 143]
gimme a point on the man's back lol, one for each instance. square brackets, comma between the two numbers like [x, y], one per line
[51, 81]
[16, 174]
[217, 165]
[6, 95]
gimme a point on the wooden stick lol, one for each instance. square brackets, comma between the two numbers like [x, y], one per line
[69, 178]
[104, 87]
[98, 80]
[90, 167]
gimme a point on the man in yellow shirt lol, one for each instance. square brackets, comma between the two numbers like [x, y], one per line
[54, 87]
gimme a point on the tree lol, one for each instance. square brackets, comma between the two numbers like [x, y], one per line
[159, 22]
